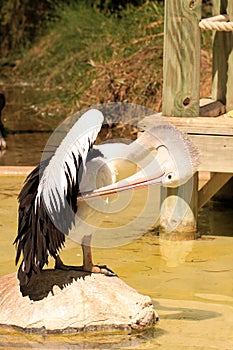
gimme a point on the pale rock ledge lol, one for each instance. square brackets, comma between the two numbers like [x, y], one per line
[70, 301]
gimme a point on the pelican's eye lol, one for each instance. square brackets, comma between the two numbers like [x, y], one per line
[170, 177]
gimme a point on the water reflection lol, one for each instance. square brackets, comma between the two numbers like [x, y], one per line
[175, 252]
[110, 340]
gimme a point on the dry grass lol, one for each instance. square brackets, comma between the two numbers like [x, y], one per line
[206, 73]
[135, 79]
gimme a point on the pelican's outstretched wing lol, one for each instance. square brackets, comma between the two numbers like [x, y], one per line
[48, 200]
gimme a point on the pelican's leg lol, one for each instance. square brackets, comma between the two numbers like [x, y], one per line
[88, 265]
[87, 259]
[60, 265]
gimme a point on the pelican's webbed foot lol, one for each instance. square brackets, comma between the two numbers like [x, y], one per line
[104, 270]
[88, 268]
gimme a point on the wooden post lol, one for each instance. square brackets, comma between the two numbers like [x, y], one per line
[222, 85]
[181, 90]
[181, 69]
[178, 218]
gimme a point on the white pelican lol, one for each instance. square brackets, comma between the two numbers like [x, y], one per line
[55, 193]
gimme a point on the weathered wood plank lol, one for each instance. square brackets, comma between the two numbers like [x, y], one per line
[223, 58]
[216, 152]
[222, 125]
[217, 181]
[181, 70]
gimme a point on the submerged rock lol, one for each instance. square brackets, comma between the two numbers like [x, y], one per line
[70, 301]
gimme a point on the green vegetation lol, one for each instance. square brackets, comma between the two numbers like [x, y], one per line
[88, 57]
[22, 21]
[78, 53]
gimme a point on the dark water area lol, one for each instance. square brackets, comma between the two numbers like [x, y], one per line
[216, 220]
[26, 109]
[23, 149]
[28, 124]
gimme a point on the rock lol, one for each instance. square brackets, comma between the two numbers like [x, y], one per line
[70, 301]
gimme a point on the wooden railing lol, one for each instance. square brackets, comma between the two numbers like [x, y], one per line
[181, 73]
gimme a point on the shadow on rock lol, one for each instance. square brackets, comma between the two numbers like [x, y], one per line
[44, 282]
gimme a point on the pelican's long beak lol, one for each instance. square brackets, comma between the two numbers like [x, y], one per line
[150, 175]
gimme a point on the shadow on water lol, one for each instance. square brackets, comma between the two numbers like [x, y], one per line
[187, 314]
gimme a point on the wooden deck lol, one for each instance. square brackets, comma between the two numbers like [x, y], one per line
[181, 92]
[214, 140]
[212, 136]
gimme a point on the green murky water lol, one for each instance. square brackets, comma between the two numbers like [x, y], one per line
[190, 283]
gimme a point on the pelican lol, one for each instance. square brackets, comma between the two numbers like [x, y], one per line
[2, 131]
[56, 193]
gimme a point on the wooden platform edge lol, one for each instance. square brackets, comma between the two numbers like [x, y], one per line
[222, 125]
[15, 170]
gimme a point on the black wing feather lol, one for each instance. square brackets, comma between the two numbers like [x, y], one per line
[37, 236]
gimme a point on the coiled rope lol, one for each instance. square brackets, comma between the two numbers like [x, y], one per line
[219, 23]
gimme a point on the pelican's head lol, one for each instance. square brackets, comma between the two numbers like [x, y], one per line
[164, 156]
[176, 155]
[173, 174]
[165, 151]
